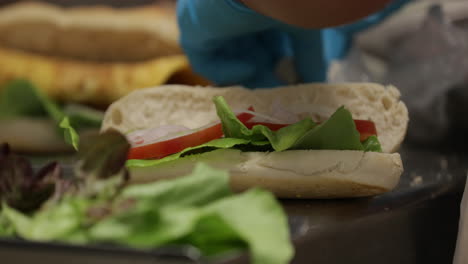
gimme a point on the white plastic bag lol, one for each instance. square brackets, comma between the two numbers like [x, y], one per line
[409, 19]
[427, 65]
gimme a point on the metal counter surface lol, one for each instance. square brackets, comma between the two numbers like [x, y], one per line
[416, 223]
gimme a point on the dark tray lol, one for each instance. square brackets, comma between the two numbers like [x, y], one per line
[415, 223]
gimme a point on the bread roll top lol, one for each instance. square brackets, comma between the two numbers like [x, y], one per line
[95, 33]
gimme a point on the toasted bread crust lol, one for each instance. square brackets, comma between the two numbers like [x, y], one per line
[94, 33]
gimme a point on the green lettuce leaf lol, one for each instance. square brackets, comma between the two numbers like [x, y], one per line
[338, 132]
[6, 229]
[61, 222]
[21, 98]
[56, 113]
[203, 186]
[280, 140]
[69, 133]
[15, 219]
[18, 98]
[252, 216]
[52, 109]
[372, 144]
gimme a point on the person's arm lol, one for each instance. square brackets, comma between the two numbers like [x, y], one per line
[316, 13]
[222, 41]
[230, 43]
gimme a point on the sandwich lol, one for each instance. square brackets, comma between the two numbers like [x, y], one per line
[304, 141]
[84, 56]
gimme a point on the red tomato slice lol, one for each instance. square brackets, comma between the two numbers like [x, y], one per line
[366, 128]
[183, 140]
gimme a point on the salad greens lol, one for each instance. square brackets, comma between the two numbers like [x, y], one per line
[96, 206]
[6, 229]
[338, 132]
[20, 98]
[280, 140]
[20, 187]
[200, 210]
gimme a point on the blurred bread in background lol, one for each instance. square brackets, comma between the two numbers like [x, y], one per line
[92, 54]
[96, 33]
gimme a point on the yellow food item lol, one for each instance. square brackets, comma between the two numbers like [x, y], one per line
[91, 82]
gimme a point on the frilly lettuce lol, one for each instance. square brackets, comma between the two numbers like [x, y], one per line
[198, 209]
[338, 132]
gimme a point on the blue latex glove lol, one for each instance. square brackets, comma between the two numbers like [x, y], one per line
[228, 43]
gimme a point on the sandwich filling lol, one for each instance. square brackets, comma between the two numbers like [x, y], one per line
[251, 131]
